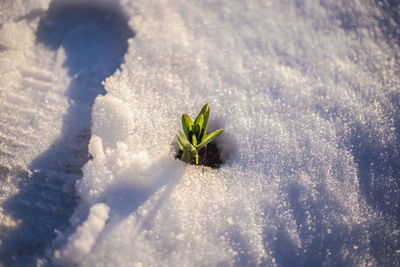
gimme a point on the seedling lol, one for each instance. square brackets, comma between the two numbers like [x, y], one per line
[195, 135]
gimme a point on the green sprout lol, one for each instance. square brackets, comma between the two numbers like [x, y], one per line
[195, 135]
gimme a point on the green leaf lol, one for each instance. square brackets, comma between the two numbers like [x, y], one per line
[203, 110]
[189, 152]
[183, 142]
[186, 156]
[205, 123]
[198, 125]
[180, 145]
[194, 140]
[208, 138]
[194, 133]
[187, 125]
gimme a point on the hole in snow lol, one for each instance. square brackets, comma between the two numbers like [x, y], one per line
[215, 153]
[208, 156]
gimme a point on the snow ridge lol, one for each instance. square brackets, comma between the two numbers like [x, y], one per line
[81, 242]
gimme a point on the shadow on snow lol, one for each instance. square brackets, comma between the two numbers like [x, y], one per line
[95, 39]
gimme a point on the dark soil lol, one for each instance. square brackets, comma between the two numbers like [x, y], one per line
[208, 156]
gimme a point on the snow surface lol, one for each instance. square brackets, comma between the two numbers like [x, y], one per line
[81, 242]
[307, 93]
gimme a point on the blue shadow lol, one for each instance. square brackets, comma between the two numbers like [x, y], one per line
[95, 39]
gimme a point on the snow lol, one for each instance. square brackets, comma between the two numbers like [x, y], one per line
[81, 242]
[306, 92]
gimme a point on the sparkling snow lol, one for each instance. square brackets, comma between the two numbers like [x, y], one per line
[91, 95]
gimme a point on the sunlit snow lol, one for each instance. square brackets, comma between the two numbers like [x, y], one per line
[91, 98]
